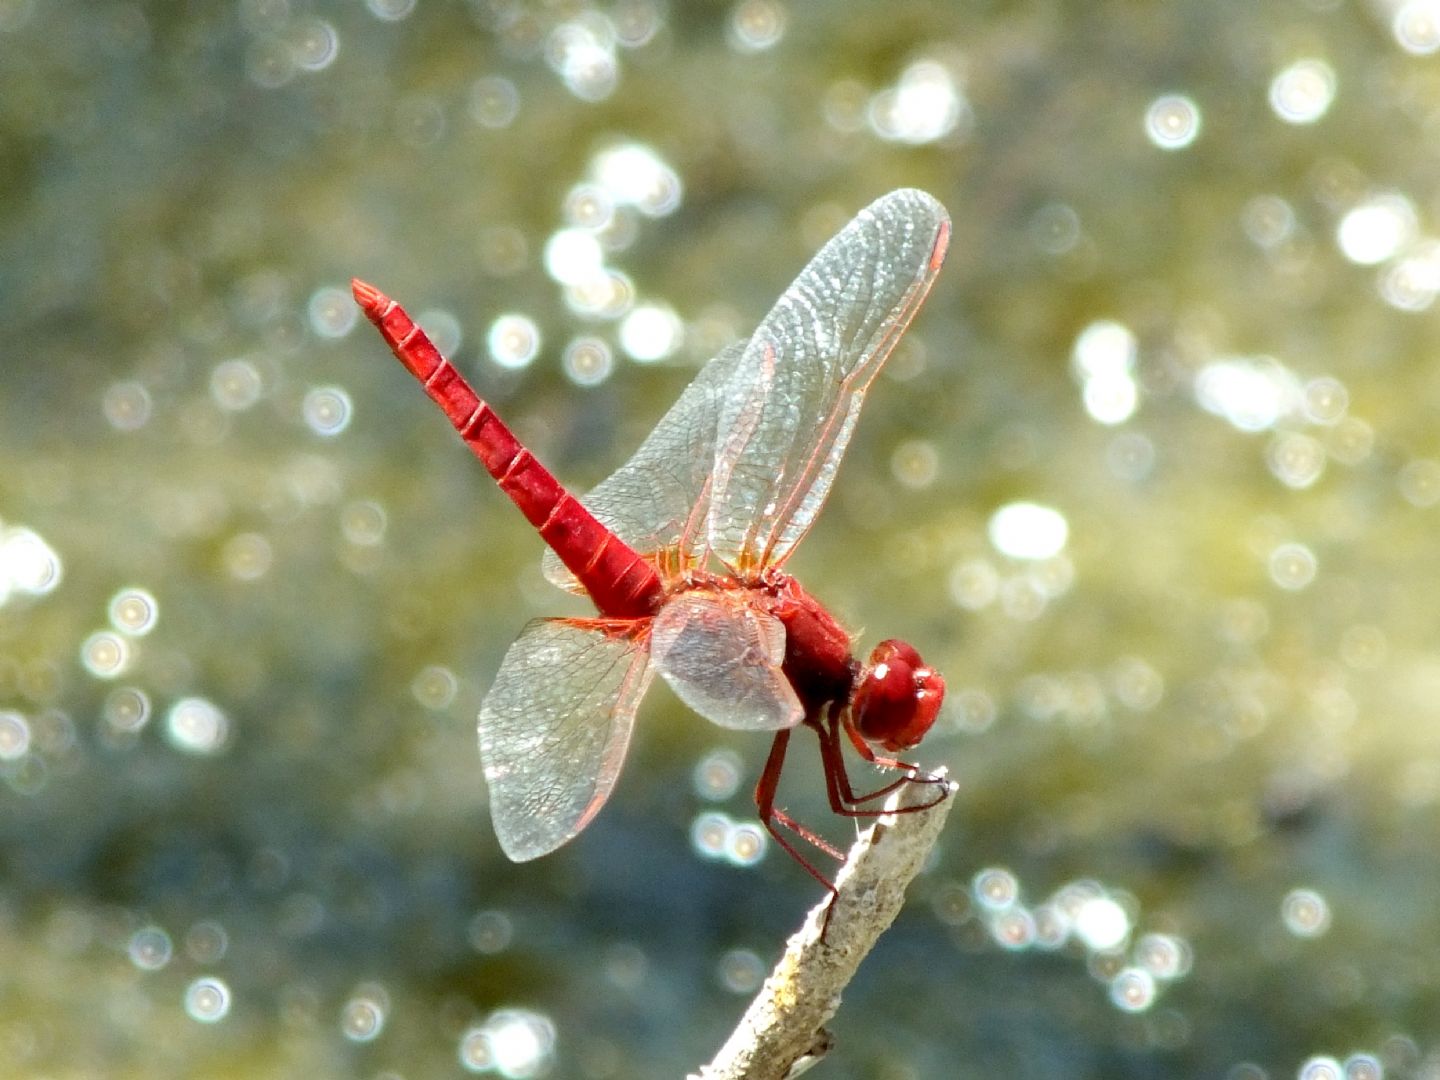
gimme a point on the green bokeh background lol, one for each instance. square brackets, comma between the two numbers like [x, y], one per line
[165, 209]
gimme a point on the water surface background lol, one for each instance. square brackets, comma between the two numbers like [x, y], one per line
[252, 588]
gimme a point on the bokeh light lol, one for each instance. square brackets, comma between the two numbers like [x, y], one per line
[14, 735]
[150, 948]
[513, 1043]
[127, 709]
[362, 1017]
[1305, 912]
[391, 10]
[741, 971]
[206, 942]
[28, 565]
[332, 311]
[757, 25]
[1102, 923]
[314, 43]
[248, 556]
[1302, 93]
[327, 410]
[1376, 229]
[1297, 460]
[1252, 394]
[1104, 360]
[651, 332]
[1026, 530]
[435, 687]
[974, 583]
[925, 105]
[196, 726]
[127, 405]
[236, 385]
[133, 611]
[1172, 122]
[1416, 26]
[494, 101]
[364, 522]
[1293, 566]
[583, 53]
[1321, 1068]
[717, 775]
[915, 463]
[105, 654]
[996, 889]
[513, 340]
[589, 361]
[1133, 990]
[207, 1000]
[573, 256]
[490, 932]
[635, 175]
[709, 834]
[746, 843]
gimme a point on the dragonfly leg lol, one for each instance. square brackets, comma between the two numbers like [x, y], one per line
[772, 817]
[842, 792]
[843, 799]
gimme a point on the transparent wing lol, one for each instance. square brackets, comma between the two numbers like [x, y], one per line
[555, 726]
[797, 390]
[722, 658]
[658, 499]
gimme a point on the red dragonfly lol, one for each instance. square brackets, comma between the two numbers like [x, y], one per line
[734, 474]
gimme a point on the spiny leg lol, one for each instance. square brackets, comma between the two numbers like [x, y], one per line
[838, 787]
[843, 799]
[837, 775]
[772, 817]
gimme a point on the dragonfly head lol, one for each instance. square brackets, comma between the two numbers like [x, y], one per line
[897, 697]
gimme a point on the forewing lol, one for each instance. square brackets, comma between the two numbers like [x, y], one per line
[722, 658]
[555, 726]
[657, 499]
[797, 389]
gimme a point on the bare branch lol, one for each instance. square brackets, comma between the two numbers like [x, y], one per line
[782, 1032]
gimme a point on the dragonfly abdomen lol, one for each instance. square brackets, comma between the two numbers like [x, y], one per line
[620, 581]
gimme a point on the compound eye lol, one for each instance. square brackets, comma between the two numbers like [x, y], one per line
[898, 698]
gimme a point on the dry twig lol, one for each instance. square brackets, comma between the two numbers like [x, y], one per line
[782, 1032]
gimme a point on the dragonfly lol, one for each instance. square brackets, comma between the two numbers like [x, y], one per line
[683, 551]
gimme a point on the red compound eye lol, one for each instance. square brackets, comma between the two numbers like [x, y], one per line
[898, 697]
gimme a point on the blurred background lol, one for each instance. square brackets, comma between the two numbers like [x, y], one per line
[1153, 480]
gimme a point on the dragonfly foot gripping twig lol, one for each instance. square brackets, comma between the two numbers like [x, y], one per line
[782, 1032]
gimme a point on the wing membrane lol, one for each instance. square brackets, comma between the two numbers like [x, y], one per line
[796, 392]
[722, 658]
[658, 499]
[555, 726]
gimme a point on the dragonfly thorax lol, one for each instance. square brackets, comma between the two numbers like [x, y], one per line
[817, 661]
